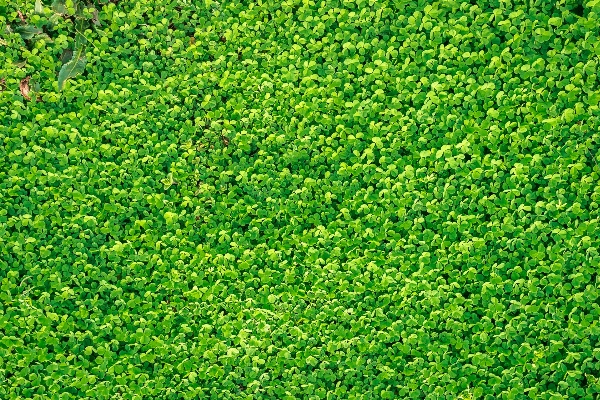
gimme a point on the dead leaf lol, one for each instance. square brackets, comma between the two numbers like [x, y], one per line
[225, 141]
[21, 16]
[24, 86]
[2, 83]
[192, 40]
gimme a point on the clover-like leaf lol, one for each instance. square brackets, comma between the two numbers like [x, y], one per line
[357, 199]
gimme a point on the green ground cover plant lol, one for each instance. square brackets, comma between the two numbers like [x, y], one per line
[299, 199]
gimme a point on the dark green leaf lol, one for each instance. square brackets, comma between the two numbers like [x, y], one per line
[75, 66]
[59, 6]
[28, 31]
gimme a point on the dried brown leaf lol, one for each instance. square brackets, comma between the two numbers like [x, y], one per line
[21, 16]
[24, 86]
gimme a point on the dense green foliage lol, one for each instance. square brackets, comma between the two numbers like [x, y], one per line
[300, 200]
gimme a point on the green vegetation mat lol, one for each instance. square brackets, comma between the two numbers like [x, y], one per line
[299, 199]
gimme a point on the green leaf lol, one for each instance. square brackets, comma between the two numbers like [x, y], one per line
[41, 36]
[555, 21]
[59, 6]
[593, 5]
[74, 67]
[70, 70]
[28, 31]
[402, 204]
[39, 7]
